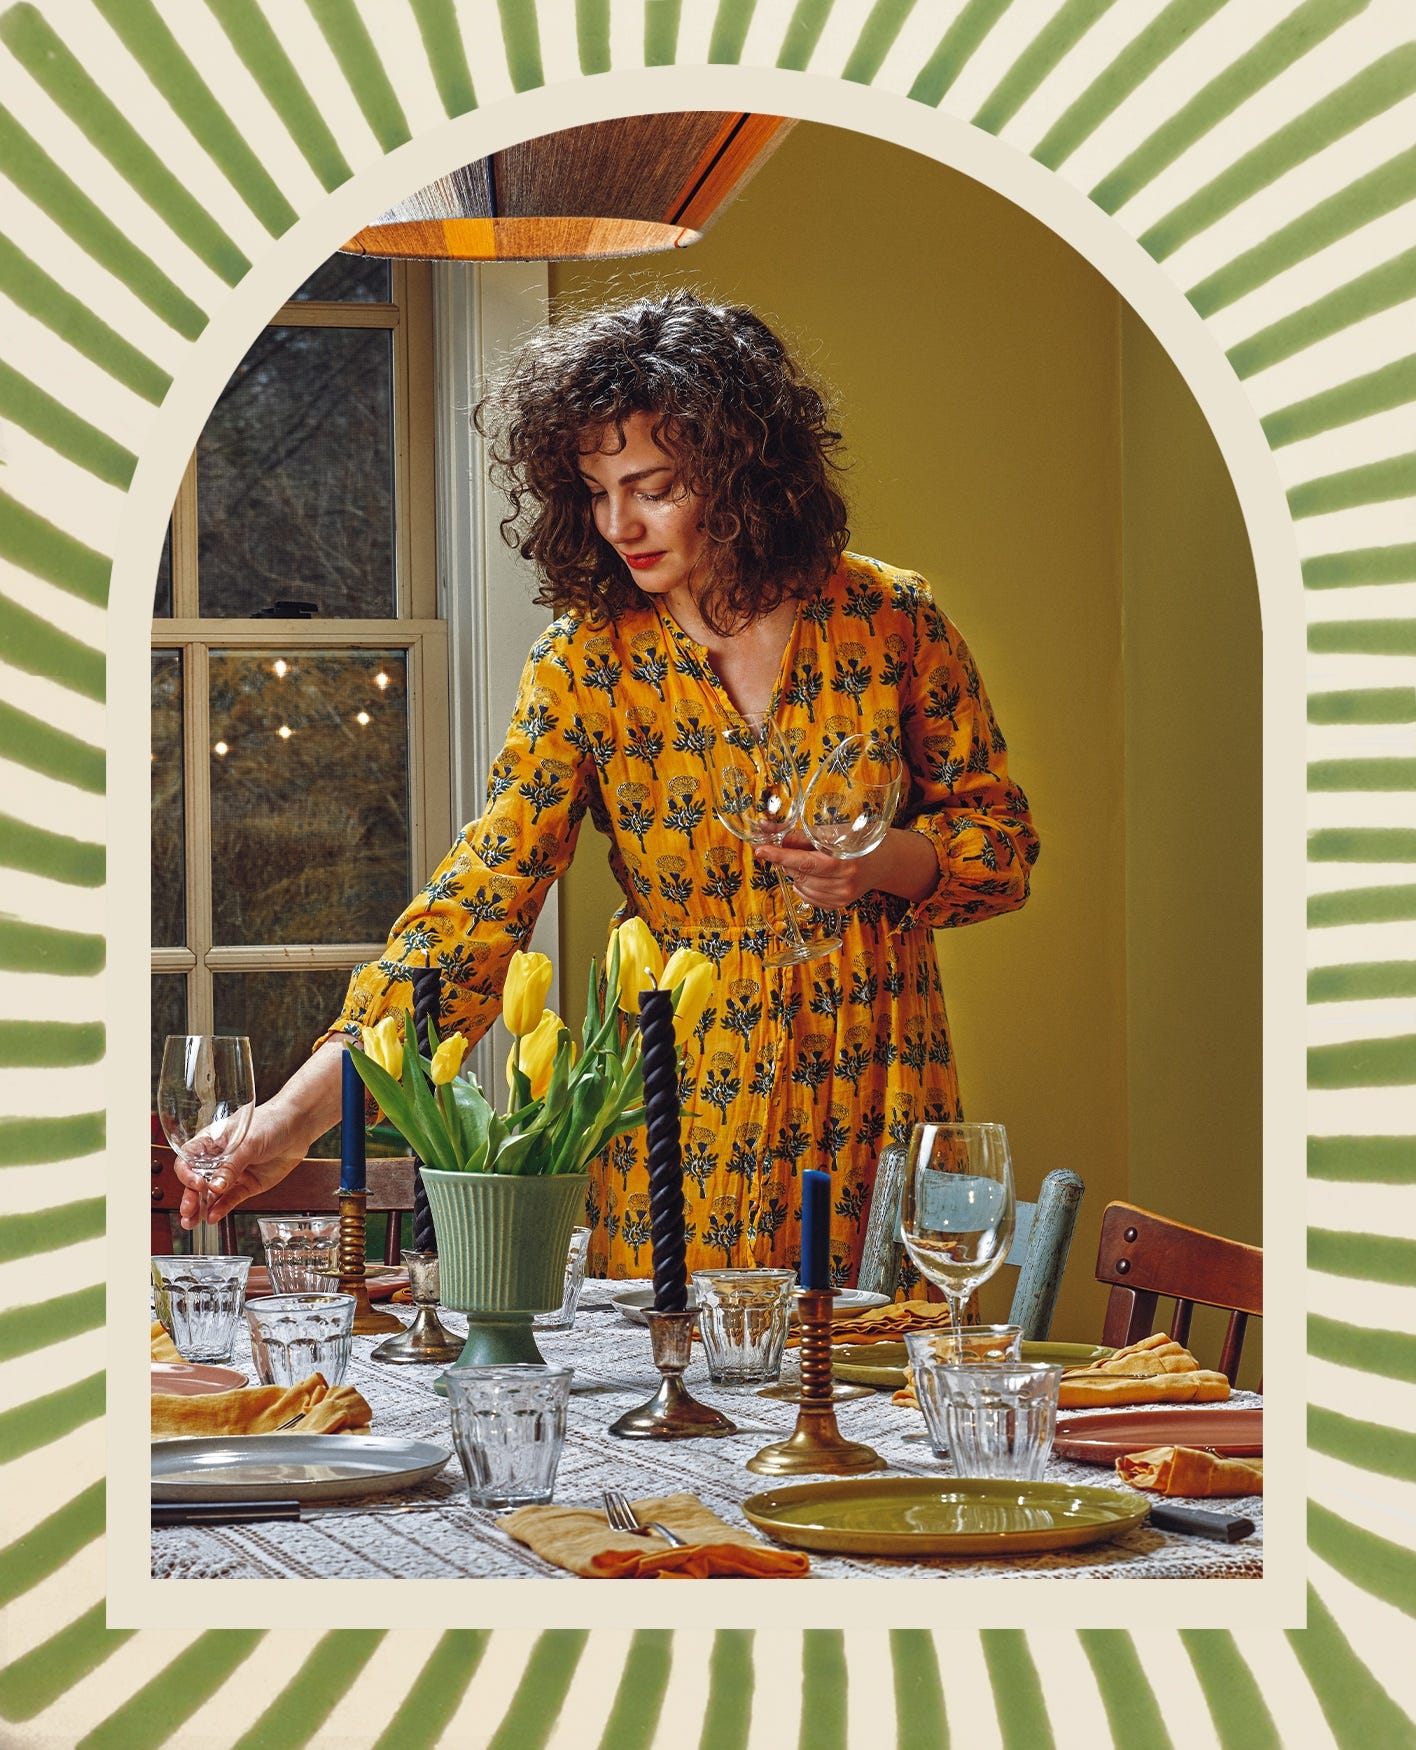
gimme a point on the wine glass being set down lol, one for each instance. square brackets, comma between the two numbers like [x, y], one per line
[206, 1095]
[845, 808]
[958, 1212]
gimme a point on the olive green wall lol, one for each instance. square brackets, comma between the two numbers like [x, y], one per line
[978, 371]
[1194, 816]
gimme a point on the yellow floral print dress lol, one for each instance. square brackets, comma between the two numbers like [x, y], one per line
[790, 1067]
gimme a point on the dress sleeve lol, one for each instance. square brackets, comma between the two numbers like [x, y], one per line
[483, 899]
[961, 796]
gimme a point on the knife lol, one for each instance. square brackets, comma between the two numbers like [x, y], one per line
[1195, 1522]
[252, 1512]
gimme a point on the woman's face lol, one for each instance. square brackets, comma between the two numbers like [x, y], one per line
[650, 520]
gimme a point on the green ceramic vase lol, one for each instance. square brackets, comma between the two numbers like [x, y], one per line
[502, 1244]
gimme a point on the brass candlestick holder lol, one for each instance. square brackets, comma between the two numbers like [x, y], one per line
[426, 1339]
[671, 1414]
[353, 1230]
[816, 1443]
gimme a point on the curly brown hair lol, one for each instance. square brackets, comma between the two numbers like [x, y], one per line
[750, 433]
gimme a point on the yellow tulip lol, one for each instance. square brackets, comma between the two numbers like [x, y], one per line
[641, 965]
[697, 983]
[678, 966]
[538, 1054]
[384, 1044]
[528, 978]
[447, 1059]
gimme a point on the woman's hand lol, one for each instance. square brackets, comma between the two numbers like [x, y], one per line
[279, 1137]
[903, 863]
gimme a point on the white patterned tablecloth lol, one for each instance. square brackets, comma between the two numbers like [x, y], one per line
[614, 1372]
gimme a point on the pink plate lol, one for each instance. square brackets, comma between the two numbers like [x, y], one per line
[187, 1380]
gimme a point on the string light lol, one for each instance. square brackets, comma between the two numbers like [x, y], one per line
[363, 717]
[282, 667]
[221, 750]
[381, 680]
[285, 732]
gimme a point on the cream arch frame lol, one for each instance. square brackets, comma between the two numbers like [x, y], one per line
[1247, 1680]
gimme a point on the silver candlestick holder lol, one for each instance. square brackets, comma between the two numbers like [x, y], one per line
[426, 1339]
[672, 1413]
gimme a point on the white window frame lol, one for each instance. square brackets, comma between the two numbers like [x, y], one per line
[480, 315]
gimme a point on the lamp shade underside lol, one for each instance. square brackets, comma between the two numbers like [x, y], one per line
[624, 187]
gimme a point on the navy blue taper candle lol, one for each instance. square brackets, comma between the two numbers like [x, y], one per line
[351, 1130]
[815, 1230]
[427, 1006]
[661, 1124]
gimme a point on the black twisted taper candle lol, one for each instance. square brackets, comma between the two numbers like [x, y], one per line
[661, 1123]
[427, 1006]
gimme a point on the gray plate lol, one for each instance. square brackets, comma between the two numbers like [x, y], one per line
[847, 1303]
[290, 1467]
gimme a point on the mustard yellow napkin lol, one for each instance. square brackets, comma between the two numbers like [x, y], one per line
[1154, 1354]
[1185, 1470]
[1091, 1391]
[1157, 1370]
[886, 1324]
[163, 1348]
[261, 1410]
[580, 1540]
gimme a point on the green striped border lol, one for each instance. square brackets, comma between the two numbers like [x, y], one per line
[79, 83]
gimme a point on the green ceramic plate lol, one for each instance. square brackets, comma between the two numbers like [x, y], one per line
[883, 1364]
[913, 1516]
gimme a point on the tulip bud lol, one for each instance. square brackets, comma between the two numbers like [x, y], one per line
[383, 1043]
[447, 1059]
[538, 1050]
[528, 978]
[641, 965]
[695, 989]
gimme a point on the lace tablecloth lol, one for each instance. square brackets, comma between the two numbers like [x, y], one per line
[614, 1372]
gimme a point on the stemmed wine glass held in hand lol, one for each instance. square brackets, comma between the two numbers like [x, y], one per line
[206, 1095]
[959, 1210]
[757, 796]
[851, 799]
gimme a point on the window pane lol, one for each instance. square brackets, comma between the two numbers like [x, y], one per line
[169, 888]
[169, 1015]
[309, 802]
[162, 596]
[295, 480]
[359, 279]
[282, 1013]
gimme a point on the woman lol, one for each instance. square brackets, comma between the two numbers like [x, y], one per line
[671, 477]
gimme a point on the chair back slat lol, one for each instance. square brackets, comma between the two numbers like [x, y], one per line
[1145, 1257]
[310, 1188]
[1040, 1245]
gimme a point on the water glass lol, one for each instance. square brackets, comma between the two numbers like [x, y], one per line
[997, 1421]
[301, 1252]
[970, 1343]
[508, 1425]
[198, 1299]
[564, 1318]
[743, 1317]
[295, 1335]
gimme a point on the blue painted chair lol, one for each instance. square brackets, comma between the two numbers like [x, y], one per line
[1041, 1241]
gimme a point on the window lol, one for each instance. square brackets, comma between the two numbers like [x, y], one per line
[300, 779]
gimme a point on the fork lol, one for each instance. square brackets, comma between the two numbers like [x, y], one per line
[622, 1517]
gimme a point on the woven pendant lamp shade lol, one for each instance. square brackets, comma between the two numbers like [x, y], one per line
[624, 187]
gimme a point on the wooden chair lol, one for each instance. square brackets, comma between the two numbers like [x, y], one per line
[1145, 1257]
[1041, 1241]
[310, 1188]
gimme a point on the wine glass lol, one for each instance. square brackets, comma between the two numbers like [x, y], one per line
[851, 799]
[958, 1211]
[757, 796]
[206, 1094]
